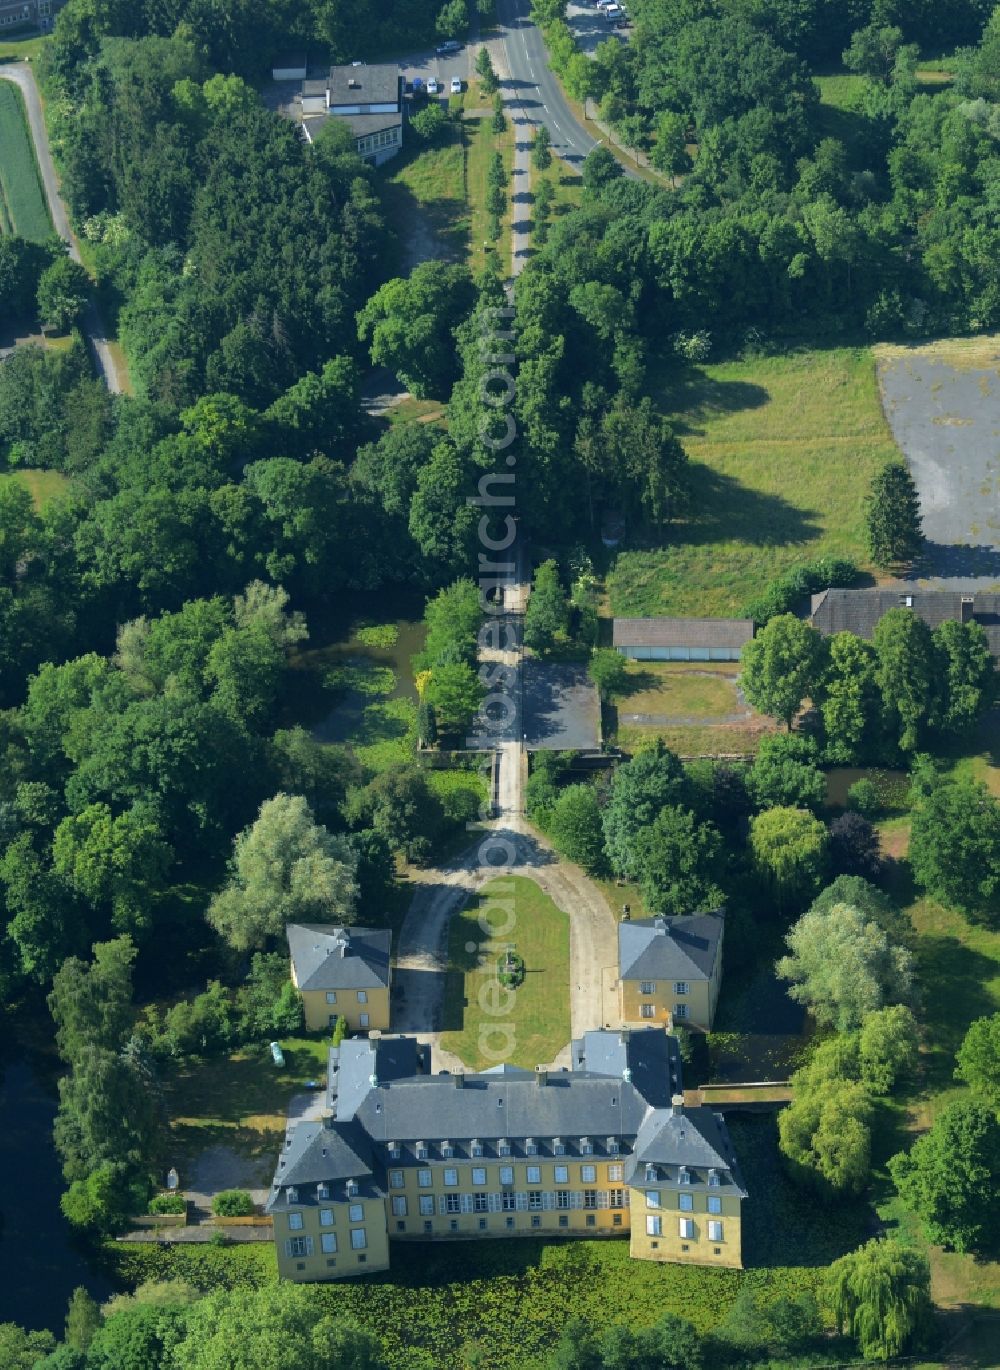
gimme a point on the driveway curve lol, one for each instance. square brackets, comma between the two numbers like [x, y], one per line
[97, 335]
[422, 958]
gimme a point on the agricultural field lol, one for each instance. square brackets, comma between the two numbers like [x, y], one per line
[782, 451]
[22, 202]
[478, 937]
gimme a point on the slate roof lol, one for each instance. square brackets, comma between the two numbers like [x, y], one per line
[682, 632]
[683, 948]
[694, 1139]
[386, 1110]
[325, 956]
[859, 611]
[375, 85]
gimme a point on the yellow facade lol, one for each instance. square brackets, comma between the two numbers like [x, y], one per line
[653, 1003]
[328, 1240]
[664, 1230]
[363, 1009]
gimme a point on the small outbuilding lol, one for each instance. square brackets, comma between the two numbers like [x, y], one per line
[670, 969]
[290, 66]
[341, 972]
[682, 639]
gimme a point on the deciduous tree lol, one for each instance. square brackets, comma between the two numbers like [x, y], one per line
[782, 666]
[881, 1295]
[949, 1176]
[955, 844]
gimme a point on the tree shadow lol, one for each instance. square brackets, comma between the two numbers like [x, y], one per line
[956, 560]
[952, 981]
[702, 397]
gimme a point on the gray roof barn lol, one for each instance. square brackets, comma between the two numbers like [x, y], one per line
[325, 956]
[621, 1098]
[683, 948]
[682, 632]
[859, 611]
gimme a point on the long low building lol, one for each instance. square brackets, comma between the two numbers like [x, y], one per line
[859, 611]
[605, 1148]
[682, 639]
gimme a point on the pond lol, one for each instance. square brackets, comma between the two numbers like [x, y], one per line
[42, 1263]
[350, 663]
[892, 787]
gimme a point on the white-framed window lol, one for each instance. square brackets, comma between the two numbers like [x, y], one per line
[365, 1020]
[362, 996]
[558, 1147]
[478, 1174]
[588, 1173]
[357, 1214]
[534, 1174]
[653, 1225]
[395, 1179]
[450, 1175]
[451, 1203]
[328, 1243]
[399, 1205]
[427, 1205]
[685, 1202]
[714, 1179]
[562, 1174]
[714, 1203]
[477, 1149]
[447, 1151]
[562, 1198]
[480, 1203]
[331, 996]
[359, 1238]
[615, 1172]
[652, 1198]
[683, 1175]
[421, 1150]
[506, 1174]
[715, 1231]
[647, 987]
[680, 987]
[586, 1146]
[680, 1010]
[326, 1217]
[299, 1246]
[295, 1222]
[424, 1179]
[530, 1147]
[686, 1228]
[504, 1148]
[646, 1010]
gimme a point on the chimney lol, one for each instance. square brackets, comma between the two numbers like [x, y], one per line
[676, 1103]
[968, 608]
[542, 1076]
[459, 1079]
[660, 924]
[374, 1034]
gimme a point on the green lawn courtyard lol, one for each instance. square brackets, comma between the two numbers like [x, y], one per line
[484, 1024]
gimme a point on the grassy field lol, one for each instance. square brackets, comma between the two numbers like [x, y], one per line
[539, 1015]
[782, 452]
[15, 49]
[680, 687]
[435, 195]
[20, 185]
[44, 485]
[239, 1099]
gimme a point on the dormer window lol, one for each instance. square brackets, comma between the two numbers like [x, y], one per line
[558, 1146]
[322, 1191]
[476, 1147]
[683, 1175]
[651, 1175]
[612, 1146]
[503, 1147]
[292, 1194]
[421, 1150]
[586, 1146]
[530, 1146]
[352, 1189]
[447, 1151]
[714, 1178]
[394, 1151]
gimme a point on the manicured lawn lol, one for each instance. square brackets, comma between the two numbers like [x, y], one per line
[680, 688]
[20, 186]
[529, 1025]
[21, 49]
[782, 452]
[239, 1099]
[44, 485]
[694, 740]
[481, 143]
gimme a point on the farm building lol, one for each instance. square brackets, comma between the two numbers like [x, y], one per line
[859, 611]
[682, 639]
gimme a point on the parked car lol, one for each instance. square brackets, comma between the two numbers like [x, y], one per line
[433, 85]
[417, 86]
[612, 14]
[456, 85]
[448, 48]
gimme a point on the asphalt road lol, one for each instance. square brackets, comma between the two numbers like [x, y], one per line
[23, 77]
[534, 84]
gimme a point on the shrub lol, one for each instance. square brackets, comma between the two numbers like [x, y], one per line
[430, 123]
[168, 1203]
[862, 797]
[339, 1031]
[233, 1203]
[784, 594]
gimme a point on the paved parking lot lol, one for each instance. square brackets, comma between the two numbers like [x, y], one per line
[590, 28]
[561, 707]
